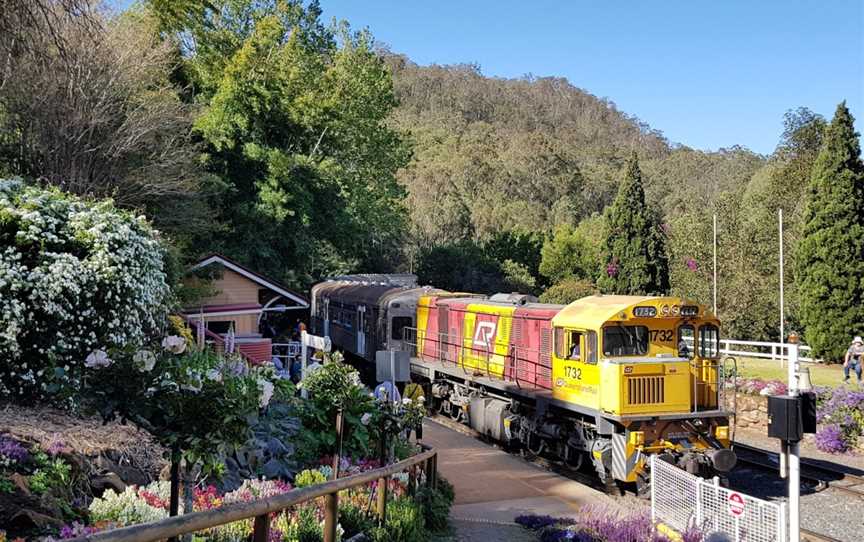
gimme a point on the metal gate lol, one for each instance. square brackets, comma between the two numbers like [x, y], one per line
[684, 501]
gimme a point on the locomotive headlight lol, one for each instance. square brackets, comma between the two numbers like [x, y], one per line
[664, 310]
[676, 310]
[721, 432]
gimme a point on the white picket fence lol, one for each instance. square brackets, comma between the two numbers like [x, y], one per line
[765, 350]
[683, 501]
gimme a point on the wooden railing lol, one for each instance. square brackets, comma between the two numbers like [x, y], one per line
[260, 509]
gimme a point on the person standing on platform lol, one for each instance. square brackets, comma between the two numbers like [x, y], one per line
[853, 359]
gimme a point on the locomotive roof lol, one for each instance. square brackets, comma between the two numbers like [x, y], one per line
[596, 310]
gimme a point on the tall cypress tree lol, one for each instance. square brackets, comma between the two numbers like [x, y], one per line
[635, 249]
[830, 257]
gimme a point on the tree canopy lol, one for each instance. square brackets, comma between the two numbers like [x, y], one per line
[634, 251]
[830, 259]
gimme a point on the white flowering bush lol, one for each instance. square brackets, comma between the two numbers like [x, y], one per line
[132, 506]
[195, 402]
[76, 277]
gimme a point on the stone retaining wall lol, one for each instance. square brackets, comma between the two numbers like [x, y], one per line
[753, 414]
[752, 411]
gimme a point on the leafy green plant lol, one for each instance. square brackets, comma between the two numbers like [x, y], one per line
[436, 504]
[354, 520]
[308, 527]
[50, 474]
[334, 385]
[270, 450]
[6, 485]
[405, 523]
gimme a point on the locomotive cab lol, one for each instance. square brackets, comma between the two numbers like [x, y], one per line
[626, 355]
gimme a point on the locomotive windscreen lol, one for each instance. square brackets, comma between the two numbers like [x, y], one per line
[625, 341]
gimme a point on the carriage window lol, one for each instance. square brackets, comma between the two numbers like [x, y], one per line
[399, 323]
[686, 342]
[709, 341]
[625, 341]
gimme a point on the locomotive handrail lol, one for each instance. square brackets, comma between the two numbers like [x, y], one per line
[509, 367]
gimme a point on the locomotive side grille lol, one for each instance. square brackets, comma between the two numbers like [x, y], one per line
[646, 390]
[518, 324]
[546, 347]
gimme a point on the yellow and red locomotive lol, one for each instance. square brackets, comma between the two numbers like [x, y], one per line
[607, 379]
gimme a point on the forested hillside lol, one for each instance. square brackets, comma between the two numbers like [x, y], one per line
[299, 148]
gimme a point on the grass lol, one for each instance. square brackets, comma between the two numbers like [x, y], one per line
[766, 369]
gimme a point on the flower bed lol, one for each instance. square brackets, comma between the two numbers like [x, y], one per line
[600, 524]
[840, 412]
[408, 519]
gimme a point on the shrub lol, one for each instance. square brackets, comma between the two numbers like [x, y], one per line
[405, 523]
[74, 276]
[354, 520]
[436, 504]
[568, 291]
[309, 477]
[841, 411]
[332, 385]
[134, 505]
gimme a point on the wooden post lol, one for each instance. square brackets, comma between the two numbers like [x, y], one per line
[435, 471]
[428, 466]
[331, 501]
[412, 480]
[261, 530]
[382, 501]
[174, 503]
[331, 516]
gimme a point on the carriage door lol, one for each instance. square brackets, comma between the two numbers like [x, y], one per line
[326, 316]
[361, 330]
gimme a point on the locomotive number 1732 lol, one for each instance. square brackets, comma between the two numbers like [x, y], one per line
[573, 372]
[661, 335]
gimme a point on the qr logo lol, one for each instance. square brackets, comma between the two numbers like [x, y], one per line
[484, 334]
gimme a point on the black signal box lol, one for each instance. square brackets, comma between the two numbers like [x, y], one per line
[784, 418]
[790, 417]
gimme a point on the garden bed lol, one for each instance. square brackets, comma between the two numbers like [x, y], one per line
[840, 413]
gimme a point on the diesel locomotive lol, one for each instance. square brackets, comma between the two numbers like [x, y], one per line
[602, 382]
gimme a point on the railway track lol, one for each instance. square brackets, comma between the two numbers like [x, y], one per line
[846, 482]
[583, 478]
[823, 476]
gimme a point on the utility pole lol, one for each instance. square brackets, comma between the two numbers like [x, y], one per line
[782, 308]
[715, 264]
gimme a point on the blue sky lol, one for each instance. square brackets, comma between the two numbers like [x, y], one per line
[707, 74]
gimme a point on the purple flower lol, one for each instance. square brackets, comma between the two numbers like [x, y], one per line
[830, 438]
[691, 264]
[612, 269]
[13, 450]
[275, 535]
[56, 447]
